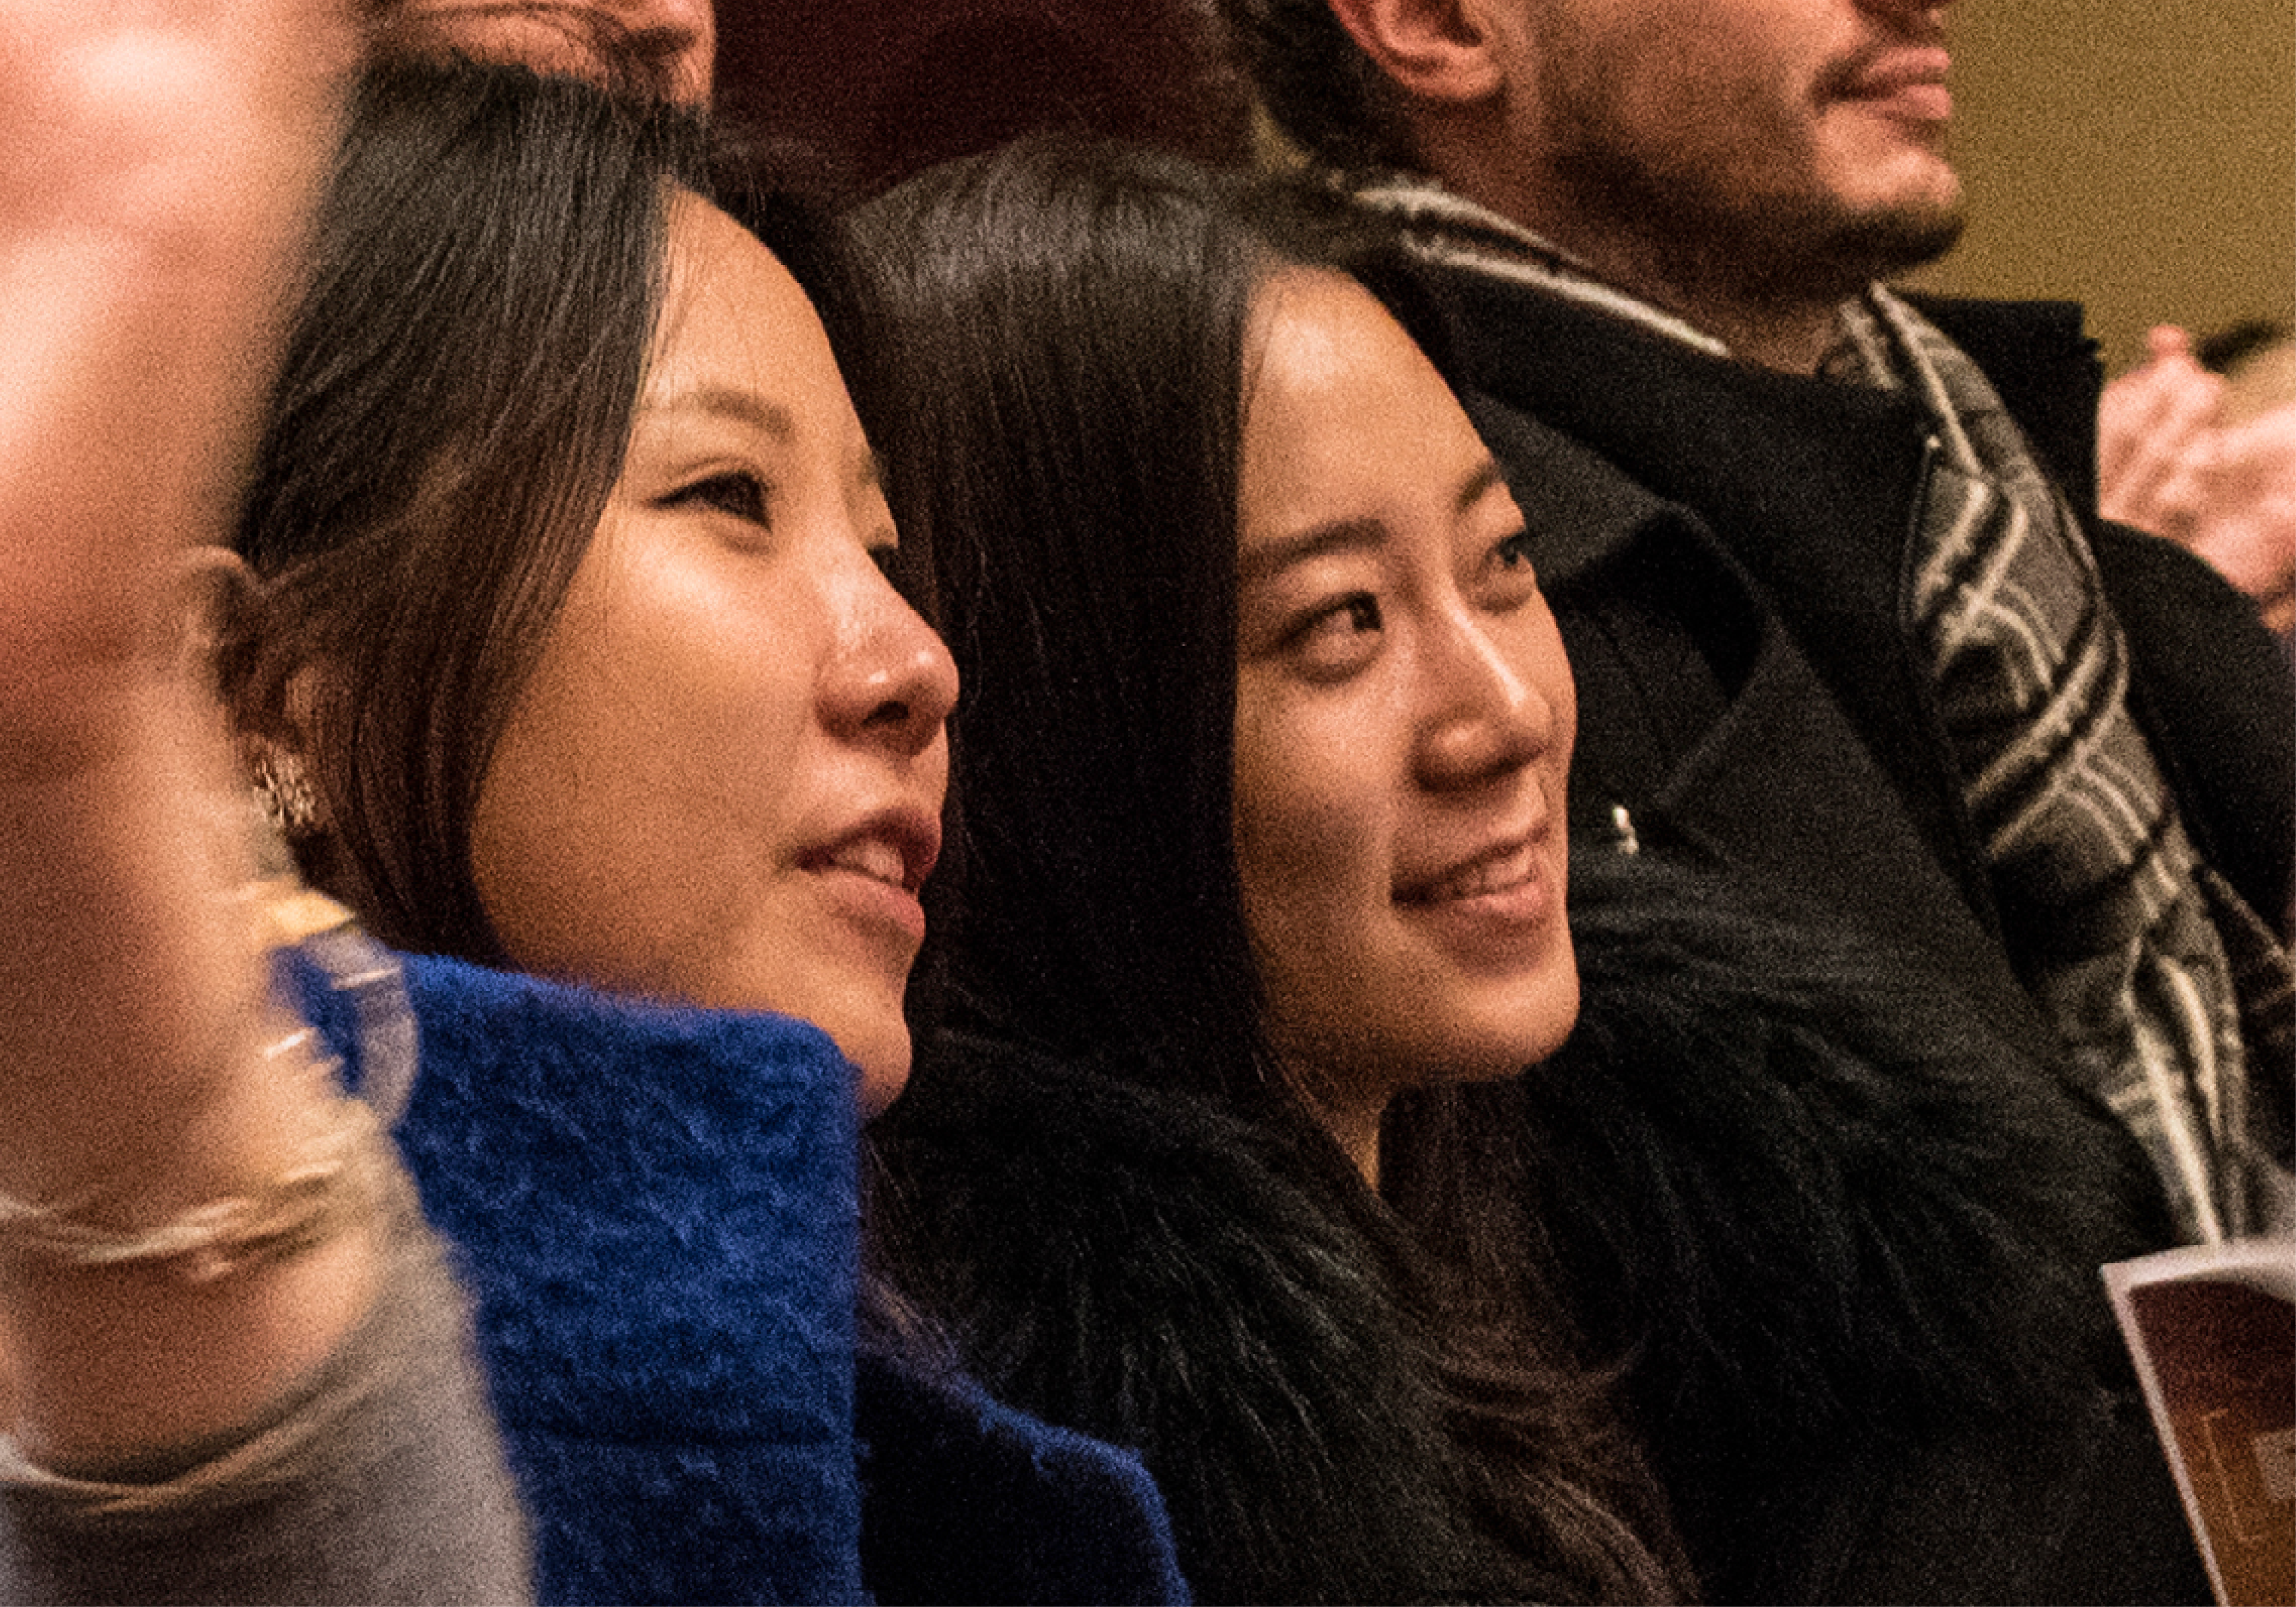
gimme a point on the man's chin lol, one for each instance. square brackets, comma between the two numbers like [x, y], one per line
[1898, 239]
[1831, 251]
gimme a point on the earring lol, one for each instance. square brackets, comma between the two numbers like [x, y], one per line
[282, 791]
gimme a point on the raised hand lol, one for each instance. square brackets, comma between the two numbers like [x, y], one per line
[2247, 526]
[2154, 438]
[158, 162]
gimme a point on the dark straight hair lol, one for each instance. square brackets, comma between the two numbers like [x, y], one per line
[452, 411]
[1070, 324]
[1074, 349]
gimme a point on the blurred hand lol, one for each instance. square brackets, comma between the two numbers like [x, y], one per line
[158, 160]
[158, 163]
[2247, 523]
[2155, 435]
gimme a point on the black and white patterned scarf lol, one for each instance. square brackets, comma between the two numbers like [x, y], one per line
[2167, 987]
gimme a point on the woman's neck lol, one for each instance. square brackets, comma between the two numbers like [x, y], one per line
[1353, 1124]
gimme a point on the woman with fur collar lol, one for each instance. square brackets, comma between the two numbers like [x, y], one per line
[1238, 864]
[1256, 908]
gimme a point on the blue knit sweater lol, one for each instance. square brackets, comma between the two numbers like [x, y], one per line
[656, 1212]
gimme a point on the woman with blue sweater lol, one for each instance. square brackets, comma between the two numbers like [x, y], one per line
[555, 633]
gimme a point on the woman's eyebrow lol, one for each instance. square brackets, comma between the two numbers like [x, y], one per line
[1260, 560]
[729, 402]
[1479, 484]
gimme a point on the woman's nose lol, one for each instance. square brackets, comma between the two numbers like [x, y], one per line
[892, 680]
[1487, 711]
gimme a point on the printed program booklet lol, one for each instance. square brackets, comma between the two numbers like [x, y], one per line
[2213, 1330]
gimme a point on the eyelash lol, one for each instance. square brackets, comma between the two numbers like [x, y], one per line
[1360, 609]
[1515, 549]
[740, 495]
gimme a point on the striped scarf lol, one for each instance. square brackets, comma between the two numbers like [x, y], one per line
[2167, 987]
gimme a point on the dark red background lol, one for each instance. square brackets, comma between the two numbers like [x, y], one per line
[891, 85]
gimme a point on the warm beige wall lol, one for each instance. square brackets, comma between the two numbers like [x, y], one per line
[2137, 155]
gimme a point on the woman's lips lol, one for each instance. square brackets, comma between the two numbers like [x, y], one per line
[876, 870]
[1500, 870]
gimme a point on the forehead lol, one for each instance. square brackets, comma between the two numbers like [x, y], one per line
[1320, 349]
[1342, 412]
[732, 315]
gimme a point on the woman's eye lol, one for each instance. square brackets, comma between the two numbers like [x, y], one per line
[1340, 638]
[1514, 552]
[740, 495]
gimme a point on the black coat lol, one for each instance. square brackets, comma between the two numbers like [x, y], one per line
[1839, 1240]
[1843, 1242]
[1723, 547]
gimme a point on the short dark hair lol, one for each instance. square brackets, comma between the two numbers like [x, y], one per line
[2226, 349]
[1317, 86]
[452, 411]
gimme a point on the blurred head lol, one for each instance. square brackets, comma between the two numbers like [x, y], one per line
[665, 48]
[1266, 722]
[570, 539]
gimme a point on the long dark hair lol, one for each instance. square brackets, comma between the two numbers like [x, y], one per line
[1073, 323]
[1095, 895]
[452, 412]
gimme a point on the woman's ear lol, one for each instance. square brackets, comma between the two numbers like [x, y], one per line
[216, 594]
[1445, 52]
[221, 598]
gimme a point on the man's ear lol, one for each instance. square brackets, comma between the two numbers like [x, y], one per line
[1441, 51]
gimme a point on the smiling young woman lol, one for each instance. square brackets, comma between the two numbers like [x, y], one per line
[1253, 1140]
[1403, 725]
[1260, 791]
